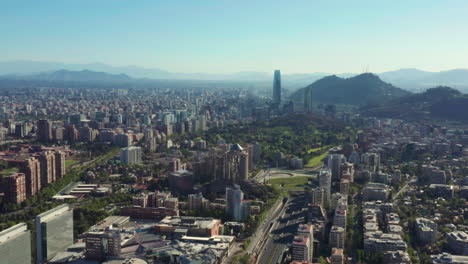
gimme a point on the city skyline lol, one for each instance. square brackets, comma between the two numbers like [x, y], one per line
[299, 37]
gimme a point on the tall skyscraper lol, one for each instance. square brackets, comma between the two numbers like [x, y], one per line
[277, 88]
[54, 232]
[15, 245]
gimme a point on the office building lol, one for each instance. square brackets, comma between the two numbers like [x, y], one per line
[54, 232]
[131, 155]
[15, 245]
[277, 88]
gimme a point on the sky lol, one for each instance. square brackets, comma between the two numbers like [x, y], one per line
[226, 36]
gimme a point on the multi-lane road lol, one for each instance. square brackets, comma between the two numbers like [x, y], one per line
[283, 231]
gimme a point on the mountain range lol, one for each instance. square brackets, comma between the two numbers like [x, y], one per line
[361, 89]
[408, 79]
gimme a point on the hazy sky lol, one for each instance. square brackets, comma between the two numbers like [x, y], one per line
[223, 36]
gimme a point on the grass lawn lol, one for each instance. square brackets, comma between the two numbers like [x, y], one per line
[316, 161]
[296, 183]
[9, 171]
[317, 149]
[71, 162]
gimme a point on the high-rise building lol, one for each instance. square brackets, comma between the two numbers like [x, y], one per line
[71, 133]
[371, 161]
[334, 163]
[15, 245]
[302, 248]
[131, 155]
[307, 231]
[197, 202]
[123, 140]
[14, 188]
[277, 88]
[59, 164]
[325, 180]
[31, 167]
[339, 219]
[234, 197]
[44, 130]
[54, 232]
[230, 166]
[337, 237]
[47, 162]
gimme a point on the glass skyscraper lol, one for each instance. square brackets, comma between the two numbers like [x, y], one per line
[277, 88]
[15, 245]
[54, 232]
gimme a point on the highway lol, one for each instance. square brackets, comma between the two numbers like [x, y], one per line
[283, 231]
[258, 238]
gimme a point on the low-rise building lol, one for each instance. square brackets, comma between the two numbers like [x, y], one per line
[458, 242]
[426, 230]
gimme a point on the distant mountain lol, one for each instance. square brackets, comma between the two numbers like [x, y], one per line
[443, 103]
[358, 90]
[34, 67]
[417, 80]
[409, 79]
[72, 76]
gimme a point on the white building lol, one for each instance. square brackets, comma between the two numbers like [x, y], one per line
[131, 155]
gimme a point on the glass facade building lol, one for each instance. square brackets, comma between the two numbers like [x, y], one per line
[277, 88]
[15, 245]
[54, 232]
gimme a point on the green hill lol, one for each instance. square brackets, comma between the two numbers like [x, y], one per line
[436, 103]
[358, 90]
